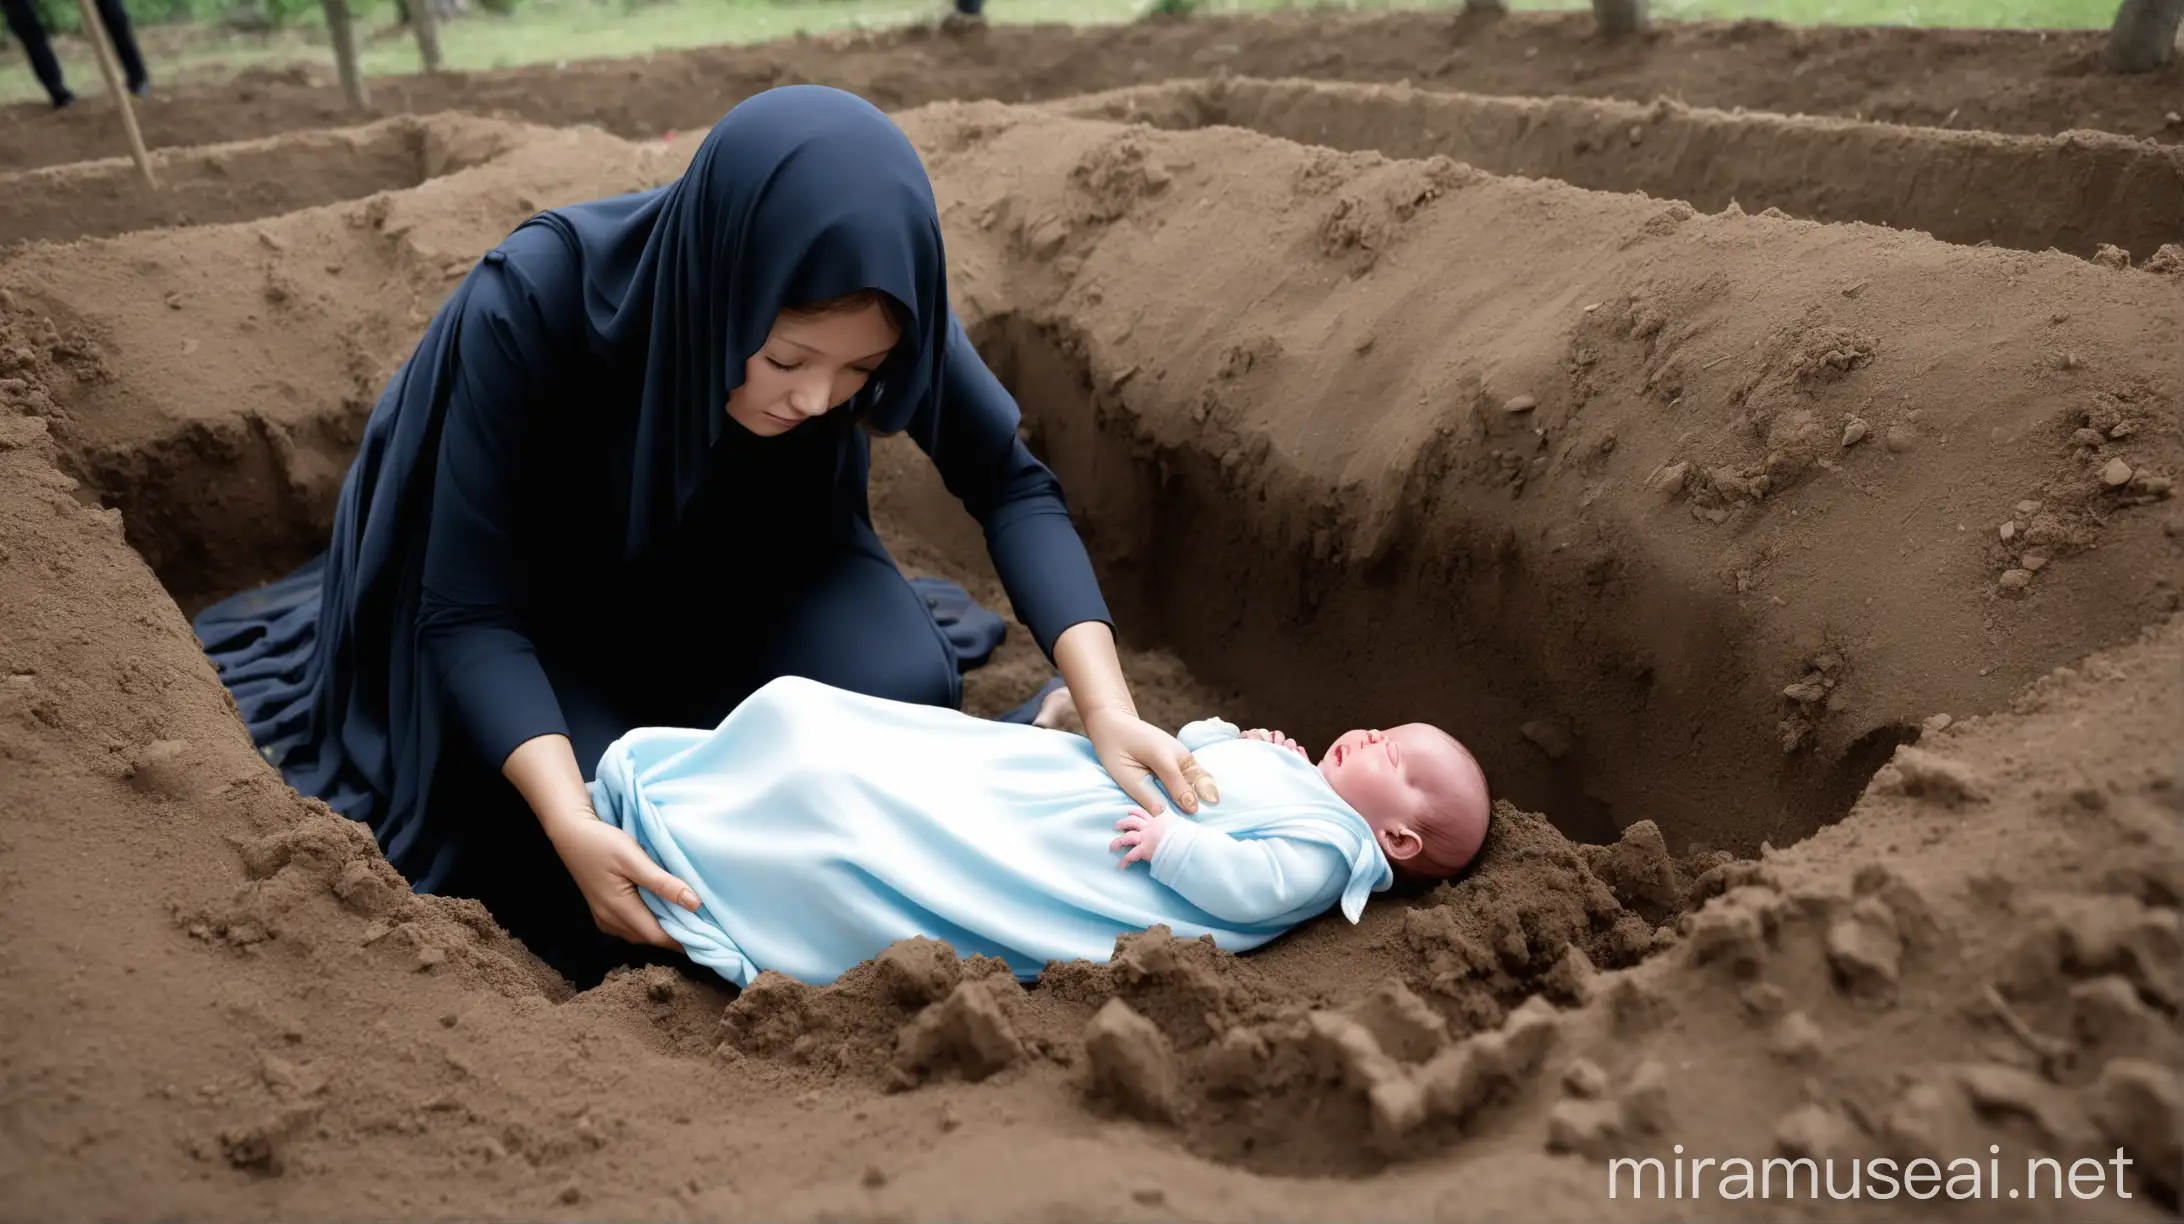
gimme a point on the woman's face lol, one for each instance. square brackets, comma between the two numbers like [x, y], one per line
[808, 365]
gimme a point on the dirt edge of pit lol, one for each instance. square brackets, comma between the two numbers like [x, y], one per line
[2027, 81]
[2077, 192]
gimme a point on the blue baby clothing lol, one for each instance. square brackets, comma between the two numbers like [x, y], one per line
[819, 825]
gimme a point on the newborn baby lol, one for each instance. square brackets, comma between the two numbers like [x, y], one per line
[818, 826]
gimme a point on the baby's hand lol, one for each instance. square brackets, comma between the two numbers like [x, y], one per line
[1142, 834]
[1275, 737]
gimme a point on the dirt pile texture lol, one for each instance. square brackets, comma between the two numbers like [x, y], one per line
[2019, 81]
[245, 179]
[1809, 591]
[2079, 192]
[1710, 512]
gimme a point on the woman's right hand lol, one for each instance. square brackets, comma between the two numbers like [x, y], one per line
[609, 867]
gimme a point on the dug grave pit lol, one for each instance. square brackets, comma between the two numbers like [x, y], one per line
[206, 511]
[212, 383]
[543, 1085]
[1671, 517]
[248, 179]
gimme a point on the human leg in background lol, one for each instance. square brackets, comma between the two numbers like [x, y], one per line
[28, 30]
[119, 32]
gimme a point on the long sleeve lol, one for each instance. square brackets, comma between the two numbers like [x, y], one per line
[970, 434]
[470, 619]
[1250, 881]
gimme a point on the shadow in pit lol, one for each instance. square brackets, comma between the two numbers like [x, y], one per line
[1595, 688]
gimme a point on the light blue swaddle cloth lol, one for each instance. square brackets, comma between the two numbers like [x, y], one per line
[818, 826]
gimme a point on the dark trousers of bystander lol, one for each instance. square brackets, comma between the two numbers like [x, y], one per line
[28, 30]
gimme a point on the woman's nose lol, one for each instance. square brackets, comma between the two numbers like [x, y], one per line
[809, 397]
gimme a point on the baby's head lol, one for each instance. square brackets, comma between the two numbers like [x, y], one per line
[1419, 789]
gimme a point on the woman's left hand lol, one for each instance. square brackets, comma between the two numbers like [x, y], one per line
[1136, 752]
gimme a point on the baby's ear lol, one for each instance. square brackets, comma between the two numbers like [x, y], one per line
[1401, 843]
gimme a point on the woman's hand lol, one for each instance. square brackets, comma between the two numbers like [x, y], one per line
[609, 866]
[1136, 752]
[1141, 834]
[1275, 737]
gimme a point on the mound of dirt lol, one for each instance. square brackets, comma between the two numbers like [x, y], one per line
[1346, 440]
[247, 180]
[2025, 81]
[2079, 192]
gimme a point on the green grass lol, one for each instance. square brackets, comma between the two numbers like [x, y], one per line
[547, 31]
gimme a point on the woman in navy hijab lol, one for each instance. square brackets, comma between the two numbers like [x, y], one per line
[622, 482]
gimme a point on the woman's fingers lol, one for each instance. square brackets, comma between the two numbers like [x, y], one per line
[626, 918]
[1197, 780]
[1142, 792]
[1173, 772]
[654, 879]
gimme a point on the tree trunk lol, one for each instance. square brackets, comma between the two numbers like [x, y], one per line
[1615, 18]
[344, 36]
[2144, 36]
[425, 19]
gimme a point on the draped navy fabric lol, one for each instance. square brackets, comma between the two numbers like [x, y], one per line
[552, 526]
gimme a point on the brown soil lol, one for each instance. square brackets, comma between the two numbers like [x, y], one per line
[2076, 193]
[2031, 82]
[1352, 439]
[242, 181]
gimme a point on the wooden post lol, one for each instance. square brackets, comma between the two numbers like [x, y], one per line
[1615, 18]
[114, 86]
[2143, 37]
[426, 20]
[344, 36]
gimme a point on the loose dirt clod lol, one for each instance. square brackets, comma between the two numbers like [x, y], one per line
[1915, 771]
[969, 1031]
[1131, 1063]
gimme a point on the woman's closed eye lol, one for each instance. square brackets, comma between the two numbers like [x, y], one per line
[778, 364]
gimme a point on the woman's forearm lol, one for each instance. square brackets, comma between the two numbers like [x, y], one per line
[544, 770]
[1085, 655]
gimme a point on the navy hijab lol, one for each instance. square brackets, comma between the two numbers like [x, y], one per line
[800, 194]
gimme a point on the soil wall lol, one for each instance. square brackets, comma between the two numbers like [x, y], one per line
[2077, 192]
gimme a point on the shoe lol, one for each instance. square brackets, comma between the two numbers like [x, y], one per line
[142, 89]
[62, 99]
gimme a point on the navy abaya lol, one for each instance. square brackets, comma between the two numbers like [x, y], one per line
[559, 440]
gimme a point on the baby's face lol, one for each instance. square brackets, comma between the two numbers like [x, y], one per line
[1396, 778]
